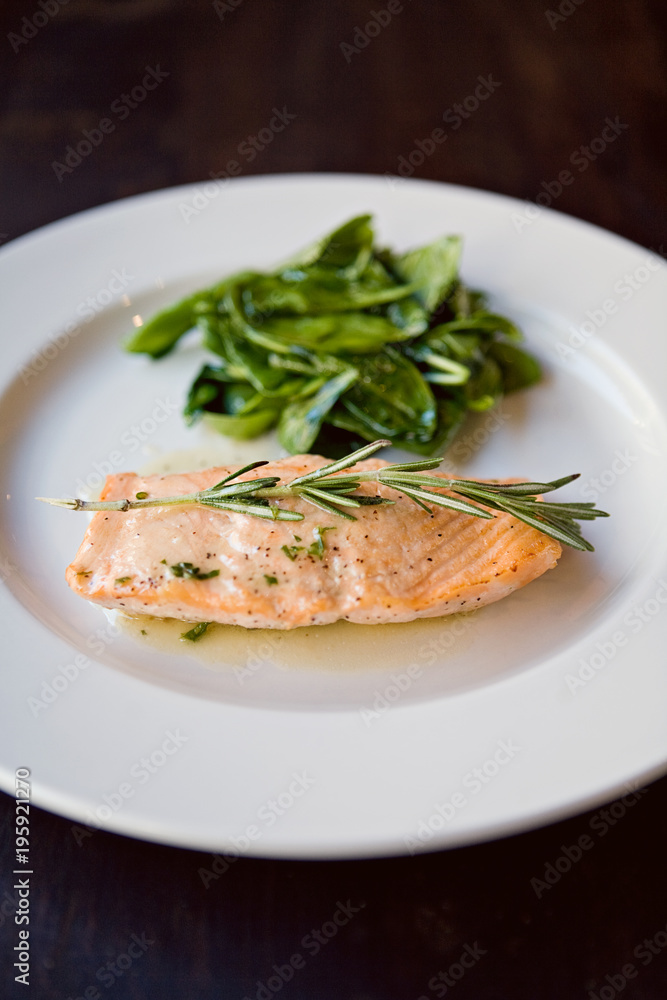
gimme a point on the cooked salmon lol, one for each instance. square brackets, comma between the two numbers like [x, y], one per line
[393, 564]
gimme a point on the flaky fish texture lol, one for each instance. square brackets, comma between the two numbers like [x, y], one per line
[393, 564]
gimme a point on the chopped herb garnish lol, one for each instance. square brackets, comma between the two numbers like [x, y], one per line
[187, 569]
[144, 632]
[291, 551]
[196, 632]
[317, 548]
[120, 580]
[142, 495]
[163, 561]
[297, 538]
[270, 579]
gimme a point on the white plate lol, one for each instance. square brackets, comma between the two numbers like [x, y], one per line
[556, 695]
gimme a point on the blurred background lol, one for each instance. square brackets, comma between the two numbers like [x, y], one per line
[529, 93]
[361, 99]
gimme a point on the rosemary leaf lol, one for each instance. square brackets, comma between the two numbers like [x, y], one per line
[442, 500]
[343, 463]
[240, 472]
[324, 505]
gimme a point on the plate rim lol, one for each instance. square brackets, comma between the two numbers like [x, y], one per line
[110, 210]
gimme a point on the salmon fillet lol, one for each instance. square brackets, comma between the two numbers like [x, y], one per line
[393, 564]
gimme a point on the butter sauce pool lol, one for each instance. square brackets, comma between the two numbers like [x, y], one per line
[342, 646]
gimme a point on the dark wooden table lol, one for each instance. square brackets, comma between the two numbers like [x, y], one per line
[579, 86]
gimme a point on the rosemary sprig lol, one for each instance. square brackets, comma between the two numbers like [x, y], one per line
[335, 494]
